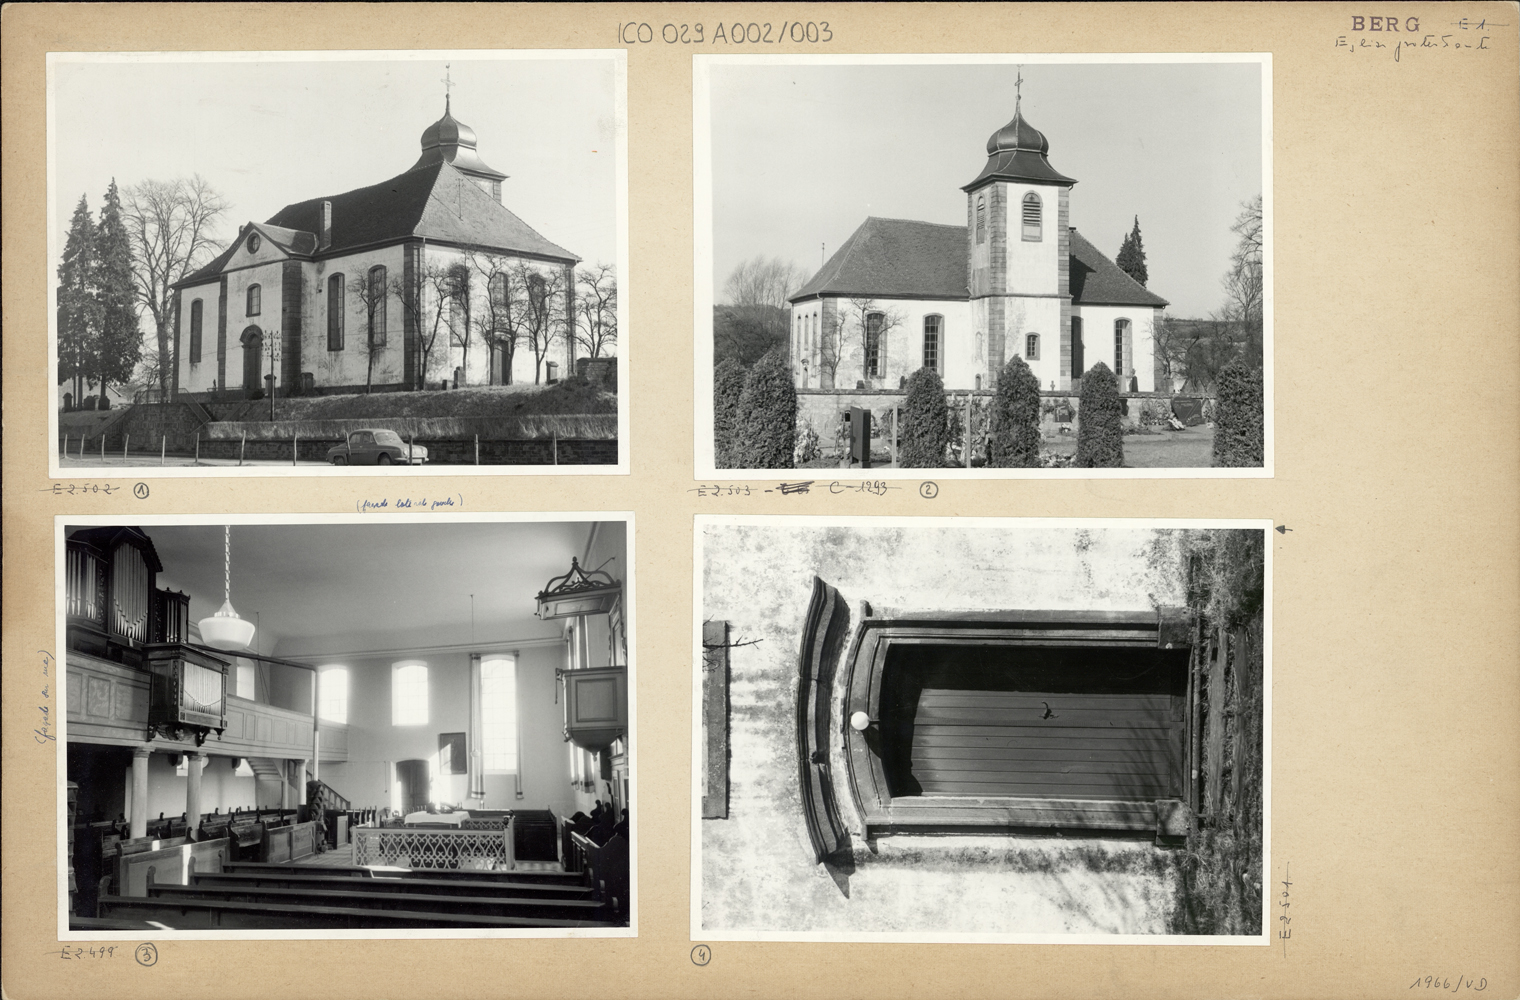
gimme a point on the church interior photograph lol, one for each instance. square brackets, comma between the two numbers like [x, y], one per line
[420, 725]
[903, 256]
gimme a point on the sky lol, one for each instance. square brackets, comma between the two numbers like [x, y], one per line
[802, 153]
[279, 128]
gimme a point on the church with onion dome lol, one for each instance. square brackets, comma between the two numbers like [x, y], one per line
[423, 280]
[1016, 280]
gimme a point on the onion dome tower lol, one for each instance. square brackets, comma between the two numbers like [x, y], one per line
[450, 139]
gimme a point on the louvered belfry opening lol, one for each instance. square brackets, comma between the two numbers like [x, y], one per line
[1064, 722]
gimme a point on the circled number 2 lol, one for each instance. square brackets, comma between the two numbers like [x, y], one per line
[701, 955]
[928, 490]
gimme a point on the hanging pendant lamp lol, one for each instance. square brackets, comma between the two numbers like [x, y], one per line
[225, 630]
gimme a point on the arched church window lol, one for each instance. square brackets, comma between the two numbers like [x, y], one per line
[932, 325]
[332, 693]
[409, 693]
[255, 300]
[1032, 347]
[1033, 213]
[981, 219]
[873, 344]
[498, 705]
[197, 312]
[1121, 342]
[335, 312]
[377, 300]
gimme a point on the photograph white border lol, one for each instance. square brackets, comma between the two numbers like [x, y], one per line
[61, 727]
[55, 240]
[702, 255]
[698, 751]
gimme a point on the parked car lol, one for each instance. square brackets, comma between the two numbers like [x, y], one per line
[376, 447]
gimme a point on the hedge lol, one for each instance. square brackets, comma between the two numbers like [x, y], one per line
[1238, 432]
[923, 433]
[728, 384]
[1013, 440]
[1100, 434]
[768, 414]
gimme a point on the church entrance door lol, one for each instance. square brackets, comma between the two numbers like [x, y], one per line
[413, 777]
[1078, 365]
[253, 352]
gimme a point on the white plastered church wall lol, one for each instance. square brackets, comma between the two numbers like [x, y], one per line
[348, 366]
[198, 376]
[1098, 341]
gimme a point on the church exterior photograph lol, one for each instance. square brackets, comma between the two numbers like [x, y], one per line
[983, 263]
[314, 245]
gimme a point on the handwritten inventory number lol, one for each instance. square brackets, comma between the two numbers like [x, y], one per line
[78, 953]
[737, 33]
[70, 489]
[875, 487]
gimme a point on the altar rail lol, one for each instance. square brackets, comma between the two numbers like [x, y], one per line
[485, 850]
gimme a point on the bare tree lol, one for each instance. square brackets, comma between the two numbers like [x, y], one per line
[372, 292]
[764, 281]
[831, 348]
[170, 225]
[596, 310]
[859, 313]
[542, 322]
[461, 323]
[427, 305]
[505, 309]
[1244, 284]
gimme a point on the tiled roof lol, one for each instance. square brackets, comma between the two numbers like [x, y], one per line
[1097, 281]
[895, 257]
[432, 201]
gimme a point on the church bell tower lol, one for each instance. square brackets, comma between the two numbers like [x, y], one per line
[1018, 233]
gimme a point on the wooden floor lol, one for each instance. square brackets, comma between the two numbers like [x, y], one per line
[333, 857]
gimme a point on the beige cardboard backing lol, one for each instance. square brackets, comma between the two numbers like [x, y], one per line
[1396, 702]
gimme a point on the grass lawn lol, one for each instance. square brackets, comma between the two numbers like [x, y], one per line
[567, 397]
[1192, 448]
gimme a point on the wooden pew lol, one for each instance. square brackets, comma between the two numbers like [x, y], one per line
[210, 914]
[545, 878]
[606, 865]
[319, 879]
[471, 905]
[288, 842]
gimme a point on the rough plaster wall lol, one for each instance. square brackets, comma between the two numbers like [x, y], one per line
[757, 869]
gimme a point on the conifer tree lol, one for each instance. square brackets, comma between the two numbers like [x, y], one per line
[1100, 434]
[728, 385]
[768, 414]
[1131, 258]
[78, 307]
[1013, 441]
[118, 345]
[925, 430]
[1238, 417]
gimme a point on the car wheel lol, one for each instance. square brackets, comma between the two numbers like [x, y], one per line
[339, 460]
[383, 460]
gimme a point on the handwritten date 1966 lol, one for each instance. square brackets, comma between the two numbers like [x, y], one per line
[1449, 984]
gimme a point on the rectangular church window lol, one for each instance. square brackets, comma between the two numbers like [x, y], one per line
[873, 345]
[377, 298]
[335, 313]
[246, 686]
[498, 712]
[196, 314]
[931, 342]
[409, 693]
[255, 300]
[332, 694]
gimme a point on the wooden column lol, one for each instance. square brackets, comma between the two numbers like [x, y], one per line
[138, 822]
[194, 762]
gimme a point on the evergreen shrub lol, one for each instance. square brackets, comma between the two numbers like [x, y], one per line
[728, 383]
[1100, 434]
[1014, 433]
[768, 414]
[924, 426]
[1238, 432]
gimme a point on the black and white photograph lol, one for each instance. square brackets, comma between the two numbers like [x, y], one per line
[987, 265]
[429, 735]
[289, 263]
[981, 730]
